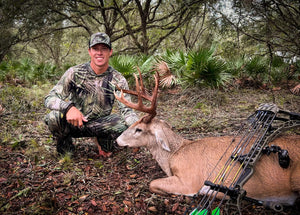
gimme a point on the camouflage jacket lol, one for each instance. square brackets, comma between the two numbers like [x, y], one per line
[92, 94]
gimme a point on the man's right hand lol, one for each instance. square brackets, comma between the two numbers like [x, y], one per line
[75, 117]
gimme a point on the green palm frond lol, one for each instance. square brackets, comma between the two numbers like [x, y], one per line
[145, 63]
[236, 66]
[45, 71]
[4, 70]
[176, 61]
[125, 64]
[204, 69]
[257, 68]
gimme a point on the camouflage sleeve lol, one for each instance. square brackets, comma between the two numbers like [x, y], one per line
[127, 113]
[55, 100]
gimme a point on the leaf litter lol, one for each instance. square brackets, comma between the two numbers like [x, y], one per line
[35, 180]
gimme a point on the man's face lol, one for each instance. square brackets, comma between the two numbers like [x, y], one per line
[100, 54]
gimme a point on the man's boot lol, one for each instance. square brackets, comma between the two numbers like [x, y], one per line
[64, 145]
[106, 146]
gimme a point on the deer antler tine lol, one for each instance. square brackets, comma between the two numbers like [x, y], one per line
[138, 91]
[148, 118]
[141, 94]
[124, 101]
[137, 84]
[141, 81]
[155, 91]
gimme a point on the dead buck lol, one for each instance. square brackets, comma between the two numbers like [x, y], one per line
[189, 163]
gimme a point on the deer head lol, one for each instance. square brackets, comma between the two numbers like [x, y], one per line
[155, 134]
[179, 158]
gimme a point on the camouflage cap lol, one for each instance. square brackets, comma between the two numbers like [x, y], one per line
[99, 38]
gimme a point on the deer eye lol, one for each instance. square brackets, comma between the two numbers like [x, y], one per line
[138, 130]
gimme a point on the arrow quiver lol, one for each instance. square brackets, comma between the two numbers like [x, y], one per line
[251, 141]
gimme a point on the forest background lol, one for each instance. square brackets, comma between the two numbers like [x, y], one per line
[209, 53]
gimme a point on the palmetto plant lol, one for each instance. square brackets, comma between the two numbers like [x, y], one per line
[176, 61]
[235, 66]
[127, 65]
[280, 71]
[45, 71]
[25, 69]
[167, 79]
[256, 68]
[171, 66]
[203, 68]
[4, 70]
[28, 72]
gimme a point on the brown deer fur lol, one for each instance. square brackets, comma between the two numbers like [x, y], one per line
[188, 163]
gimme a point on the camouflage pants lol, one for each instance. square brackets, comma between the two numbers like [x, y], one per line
[106, 129]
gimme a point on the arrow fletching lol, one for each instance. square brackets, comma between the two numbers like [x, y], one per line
[216, 211]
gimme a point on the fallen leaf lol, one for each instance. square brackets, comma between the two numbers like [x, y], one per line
[93, 202]
[82, 198]
[175, 206]
[166, 201]
[276, 88]
[104, 208]
[3, 180]
[128, 203]
[68, 196]
[45, 208]
[128, 187]
[135, 150]
[152, 209]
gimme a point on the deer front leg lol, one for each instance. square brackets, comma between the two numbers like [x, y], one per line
[171, 185]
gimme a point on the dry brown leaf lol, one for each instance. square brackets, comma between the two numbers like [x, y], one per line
[152, 209]
[104, 208]
[93, 202]
[82, 198]
[135, 150]
[1, 109]
[166, 201]
[175, 206]
[3, 180]
[128, 203]
[128, 187]
[296, 89]
[162, 68]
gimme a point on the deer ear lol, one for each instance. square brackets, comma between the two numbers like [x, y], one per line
[162, 140]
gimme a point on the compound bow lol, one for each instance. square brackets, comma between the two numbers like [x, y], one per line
[254, 135]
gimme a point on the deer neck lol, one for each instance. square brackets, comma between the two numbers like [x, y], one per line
[162, 156]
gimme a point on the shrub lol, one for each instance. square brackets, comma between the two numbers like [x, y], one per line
[256, 68]
[204, 69]
[28, 72]
[127, 65]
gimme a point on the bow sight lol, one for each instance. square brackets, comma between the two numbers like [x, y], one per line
[256, 132]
